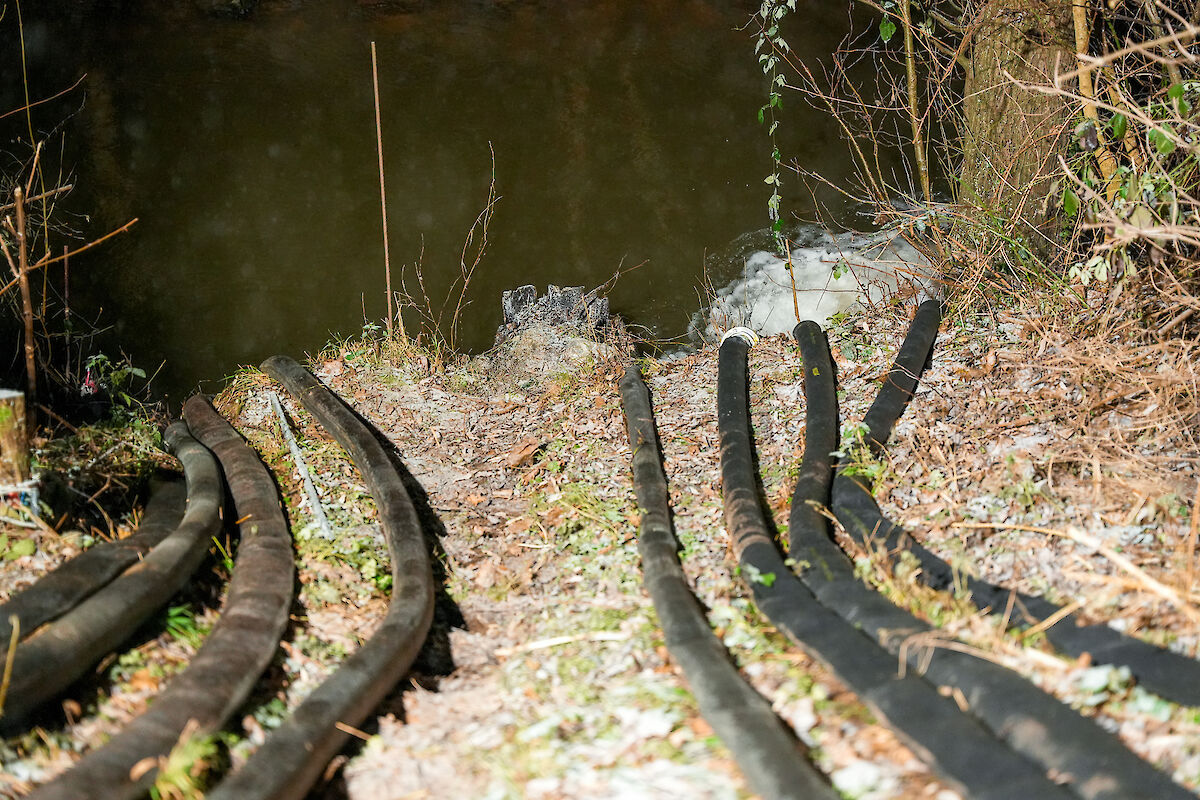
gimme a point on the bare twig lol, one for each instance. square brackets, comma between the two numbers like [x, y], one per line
[1184, 36]
[36, 103]
[466, 272]
[1108, 164]
[45, 262]
[27, 309]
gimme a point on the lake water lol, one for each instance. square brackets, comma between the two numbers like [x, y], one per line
[625, 132]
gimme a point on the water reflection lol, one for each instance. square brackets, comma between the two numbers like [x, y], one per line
[624, 132]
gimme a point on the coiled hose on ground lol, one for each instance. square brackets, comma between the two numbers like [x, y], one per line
[1161, 671]
[57, 592]
[62, 651]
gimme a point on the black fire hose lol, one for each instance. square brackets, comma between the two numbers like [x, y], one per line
[961, 751]
[62, 651]
[237, 650]
[1171, 675]
[296, 753]
[1095, 763]
[901, 380]
[767, 752]
[57, 592]
[811, 497]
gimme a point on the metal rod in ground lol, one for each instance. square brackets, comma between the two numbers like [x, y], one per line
[764, 748]
[314, 499]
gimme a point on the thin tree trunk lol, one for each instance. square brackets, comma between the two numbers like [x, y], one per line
[27, 308]
[14, 443]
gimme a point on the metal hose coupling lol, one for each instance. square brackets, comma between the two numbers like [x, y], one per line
[745, 334]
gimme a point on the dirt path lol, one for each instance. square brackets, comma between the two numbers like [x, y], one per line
[547, 677]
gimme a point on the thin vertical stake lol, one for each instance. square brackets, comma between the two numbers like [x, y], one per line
[387, 263]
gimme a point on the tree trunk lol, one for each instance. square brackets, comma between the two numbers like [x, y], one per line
[14, 443]
[1012, 135]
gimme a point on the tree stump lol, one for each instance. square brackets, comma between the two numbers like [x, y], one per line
[14, 440]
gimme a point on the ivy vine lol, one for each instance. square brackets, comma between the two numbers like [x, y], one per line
[769, 47]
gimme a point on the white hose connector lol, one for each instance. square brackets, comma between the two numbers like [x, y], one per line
[743, 333]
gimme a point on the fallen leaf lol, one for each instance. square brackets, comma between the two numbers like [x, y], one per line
[523, 451]
[143, 680]
[485, 576]
[518, 525]
[700, 727]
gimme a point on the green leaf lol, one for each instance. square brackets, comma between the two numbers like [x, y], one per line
[21, 547]
[777, 226]
[1070, 202]
[762, 115]
[1160, 138]
[771, 179]
[1175, 92]
[887, 29]
[1119, 125]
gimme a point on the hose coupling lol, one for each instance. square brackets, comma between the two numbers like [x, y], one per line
[743, 333]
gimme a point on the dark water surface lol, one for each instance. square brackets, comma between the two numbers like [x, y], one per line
[624, 132]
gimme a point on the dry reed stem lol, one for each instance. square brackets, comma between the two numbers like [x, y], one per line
[387, 260]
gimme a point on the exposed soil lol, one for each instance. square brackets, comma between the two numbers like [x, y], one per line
[1027, 457]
